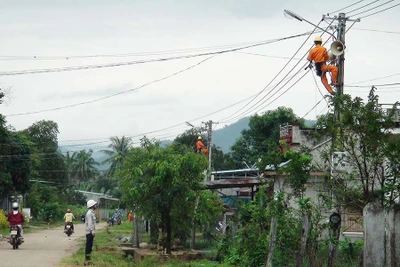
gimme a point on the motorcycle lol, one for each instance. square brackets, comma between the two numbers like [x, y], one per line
[114, 220]
[68, 229]
[15, 236]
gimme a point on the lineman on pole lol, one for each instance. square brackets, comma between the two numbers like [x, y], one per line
[319, 55]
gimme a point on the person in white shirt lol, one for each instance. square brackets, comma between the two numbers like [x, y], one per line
[90, 227]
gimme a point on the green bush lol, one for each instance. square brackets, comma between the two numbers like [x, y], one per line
[51, 212]
[3, 220]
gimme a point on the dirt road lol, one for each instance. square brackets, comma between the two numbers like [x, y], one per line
[42, 248]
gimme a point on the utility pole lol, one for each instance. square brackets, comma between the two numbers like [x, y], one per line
[341, 34]
[209, 140]
[209, 125]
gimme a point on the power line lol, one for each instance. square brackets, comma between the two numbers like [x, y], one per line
[265, 87]
[258, 104]
[372, 8]
[371, 30]
[113, 95]
[345, 7]
[362, 6]
[150, 53]
[374, 79]
[380, 85]
[382, 10]
[119, 64]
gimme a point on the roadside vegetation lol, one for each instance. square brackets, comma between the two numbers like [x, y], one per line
[164, 186]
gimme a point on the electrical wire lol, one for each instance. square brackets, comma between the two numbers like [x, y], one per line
[380, 11]
[371, 30]
[113, 95]
[345, 7]
[119, 64]
[362, 7]
[374, 79]
[258, 104]
[138, 54]
[265, 87]
[372, 8]
[380, 85]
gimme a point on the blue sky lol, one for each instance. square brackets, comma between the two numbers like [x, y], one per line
[51, 30]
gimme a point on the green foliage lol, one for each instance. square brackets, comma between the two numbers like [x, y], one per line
[263, 129]
[117, 152]
[298, 168]
[3, 220]
[84, 169]
[364, 132]
[51, 211]
[39, 196]
[160, 183]
[15, 165]
[350, 251]
[44, 142]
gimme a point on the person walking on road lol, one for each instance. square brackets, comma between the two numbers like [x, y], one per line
[90, 227]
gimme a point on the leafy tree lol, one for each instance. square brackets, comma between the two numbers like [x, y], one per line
[15, 162]
[47, 161]
[162, 184]
[70, 162]
[364, 132]
[189, 137]
[84, 169]
[264, 128]
[117, 152]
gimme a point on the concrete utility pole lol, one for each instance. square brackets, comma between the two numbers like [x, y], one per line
[341, 33]
[209, 125]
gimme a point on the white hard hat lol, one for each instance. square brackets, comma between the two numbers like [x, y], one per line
[15, 205]
[199, 137]
[91, 203]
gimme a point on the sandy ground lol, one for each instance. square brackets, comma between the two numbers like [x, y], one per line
[42, 247]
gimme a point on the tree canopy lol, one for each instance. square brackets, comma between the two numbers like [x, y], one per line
[161, 184]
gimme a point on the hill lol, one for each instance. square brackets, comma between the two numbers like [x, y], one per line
[223, 138]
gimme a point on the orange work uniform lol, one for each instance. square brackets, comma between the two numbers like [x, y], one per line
[319, 55]
[199, 146]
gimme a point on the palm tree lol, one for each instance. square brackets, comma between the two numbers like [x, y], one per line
[117, 152]
[70, 161]
[85, 166]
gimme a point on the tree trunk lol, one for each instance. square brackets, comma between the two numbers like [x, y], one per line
[169, 234]
[153, 232]
[272, 242]
[304, 239]
[193, 233]
[314, 253]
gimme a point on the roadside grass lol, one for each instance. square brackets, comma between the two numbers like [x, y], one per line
[107, 252]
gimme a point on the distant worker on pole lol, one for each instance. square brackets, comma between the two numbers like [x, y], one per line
[319, 55]
[199, 145]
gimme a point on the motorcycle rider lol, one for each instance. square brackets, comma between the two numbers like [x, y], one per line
[16, 218]
[117, 215]
[68, 219]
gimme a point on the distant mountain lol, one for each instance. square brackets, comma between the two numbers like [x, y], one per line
[227, 136]
[223, 138]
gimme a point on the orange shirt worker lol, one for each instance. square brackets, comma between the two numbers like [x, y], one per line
[319, 55]
[199, 145]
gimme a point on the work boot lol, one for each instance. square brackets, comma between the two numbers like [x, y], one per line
[87, 258]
